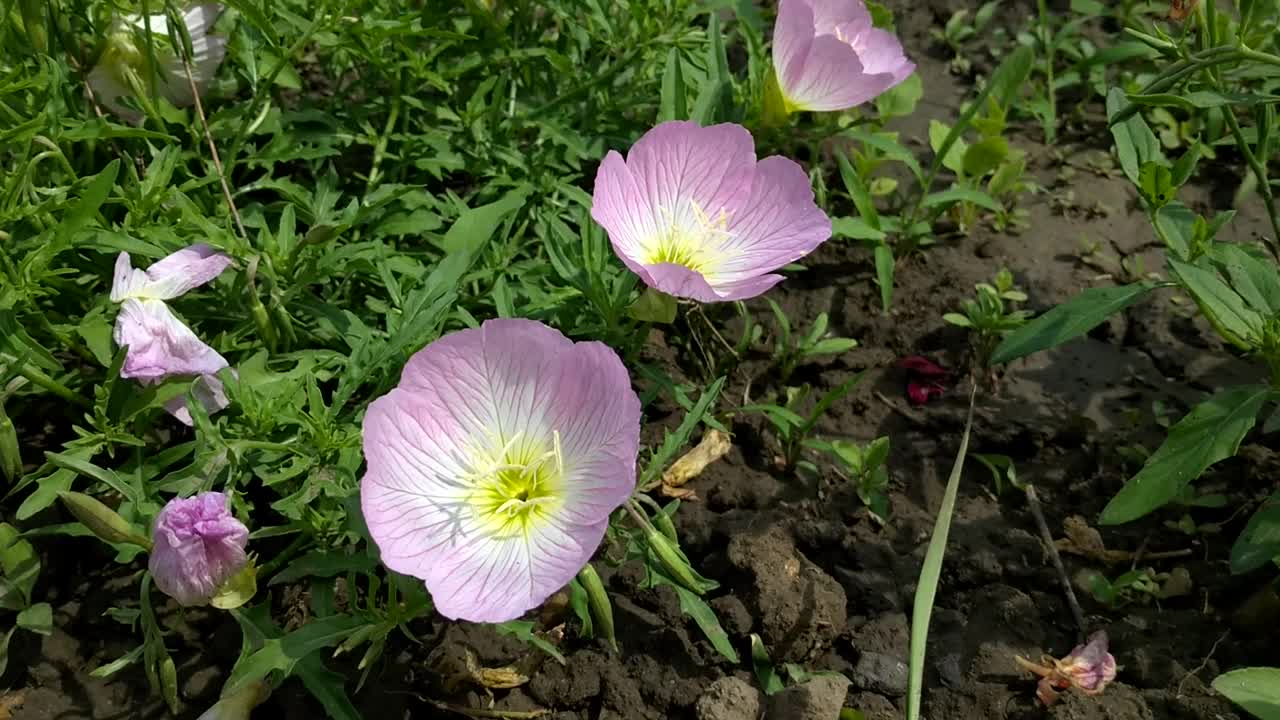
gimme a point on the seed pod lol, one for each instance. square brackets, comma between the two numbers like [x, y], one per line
[598, 602]
[673, 561]
[10, 455]
[101, 520]
[169, 683]
[662, 521]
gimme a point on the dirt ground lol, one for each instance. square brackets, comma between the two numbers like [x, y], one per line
[800, 561]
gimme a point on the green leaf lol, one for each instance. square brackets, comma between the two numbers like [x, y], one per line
[674, 102]
[1176, 224]
[939, 134]
[20, 566]
[855, 229]
[653, 306]
[284, 653]
[323, 563]
[715, 92]
[931, 571]
[702, 614]
[1254, 279]
[768, 678]
[1009, 78]
[985, 155]
[38, 619]
[1222, 306]
[1069, 320]
[1155, 182]
[523, 630]
[959, 193]
[885, 267]
[1185, 166]
[901, 100]
[1259, 544]
[1208, 434]
[858, 192]
[1135, 143]
[95, 193]
[1255, 689]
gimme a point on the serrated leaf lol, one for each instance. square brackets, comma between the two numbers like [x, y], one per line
[1208, 434]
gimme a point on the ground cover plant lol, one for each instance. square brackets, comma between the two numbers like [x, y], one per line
[650, 359]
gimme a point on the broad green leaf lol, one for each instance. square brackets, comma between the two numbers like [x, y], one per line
[1135, 143]
[1222, 306]
[939, 134]
[1208, 434]
[37, 619]
[1069, 320]
[285, 652]
[931, 571]
[1259, 544]
[1155, 182]
[1185, 165]
[653, 306]
[1255, 279]
[95, 193]
[901, 100]
[1176, 223]
[1009, 77]
[673, 105]
[984, 156]
[1256, 689]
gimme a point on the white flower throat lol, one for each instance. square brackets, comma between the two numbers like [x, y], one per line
[694, 243]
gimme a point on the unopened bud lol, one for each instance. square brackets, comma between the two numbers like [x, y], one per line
[169, 683]
[101, 520]
[237, 705]
[674, 561]
[598, 602]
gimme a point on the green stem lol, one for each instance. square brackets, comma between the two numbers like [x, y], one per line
[380, 149]
[1260, 172]
[1046, 40]
[39, 379]
[266, 569]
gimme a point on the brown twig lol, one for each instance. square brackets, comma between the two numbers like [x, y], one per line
[208, 136]
[1204, 663]
[1051, 547]
[909, 415]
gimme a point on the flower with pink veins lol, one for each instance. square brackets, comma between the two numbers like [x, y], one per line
[828, 56]
[494, 465]
[160, 345]
[693, 213]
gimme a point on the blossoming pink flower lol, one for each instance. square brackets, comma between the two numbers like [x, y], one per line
[160, 345]
[198, 545]
[828, 56]
[694, 215]
[494, 465]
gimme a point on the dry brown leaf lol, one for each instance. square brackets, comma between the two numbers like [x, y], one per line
[713, 446]
[9, 702]
[503, 678]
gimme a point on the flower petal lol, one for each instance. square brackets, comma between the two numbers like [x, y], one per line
[793, 35]
[208, 51]
[623, 211]
[170, 277]
[776, 224]
[209, 392]
[160, 346]
[109, 90]
[507, 382]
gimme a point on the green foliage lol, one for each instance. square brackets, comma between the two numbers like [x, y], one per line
[1255, 689]
[987, 318]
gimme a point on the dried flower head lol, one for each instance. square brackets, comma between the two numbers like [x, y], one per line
[1089, 668]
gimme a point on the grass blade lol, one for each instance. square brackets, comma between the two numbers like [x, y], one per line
[927, 588]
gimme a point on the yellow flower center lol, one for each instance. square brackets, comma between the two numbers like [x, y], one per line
[693, 245]
[517, 485]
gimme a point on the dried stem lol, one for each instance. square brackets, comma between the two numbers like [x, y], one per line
[213, 148]
[1047, 538]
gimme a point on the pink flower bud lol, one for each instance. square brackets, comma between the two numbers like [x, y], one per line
[198, 546]
[1090, 667]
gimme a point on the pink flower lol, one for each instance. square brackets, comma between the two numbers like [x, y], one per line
[494, 465]
[1090, 667]
[828, 56]
[198, 545]
[160, 345]
[925, 379]
[694, 215]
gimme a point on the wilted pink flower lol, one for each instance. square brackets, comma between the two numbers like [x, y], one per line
[494, 465]
[828, 56]
[925, 379]
[198, 545]
[125, 60]
[694, 215]
[1090, 667]
[160, 345]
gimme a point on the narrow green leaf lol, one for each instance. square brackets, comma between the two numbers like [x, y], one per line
[702, 614]
[931, 571]
[1256, 689]
[38, 619]
[855, 229]
[1069, 320]
[90, 200]
[959, 193]
[857, 190]
[885, 266]
[1208, 434]
[1222, 306]
[320, 563]
[768, 678]
[673, 106]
